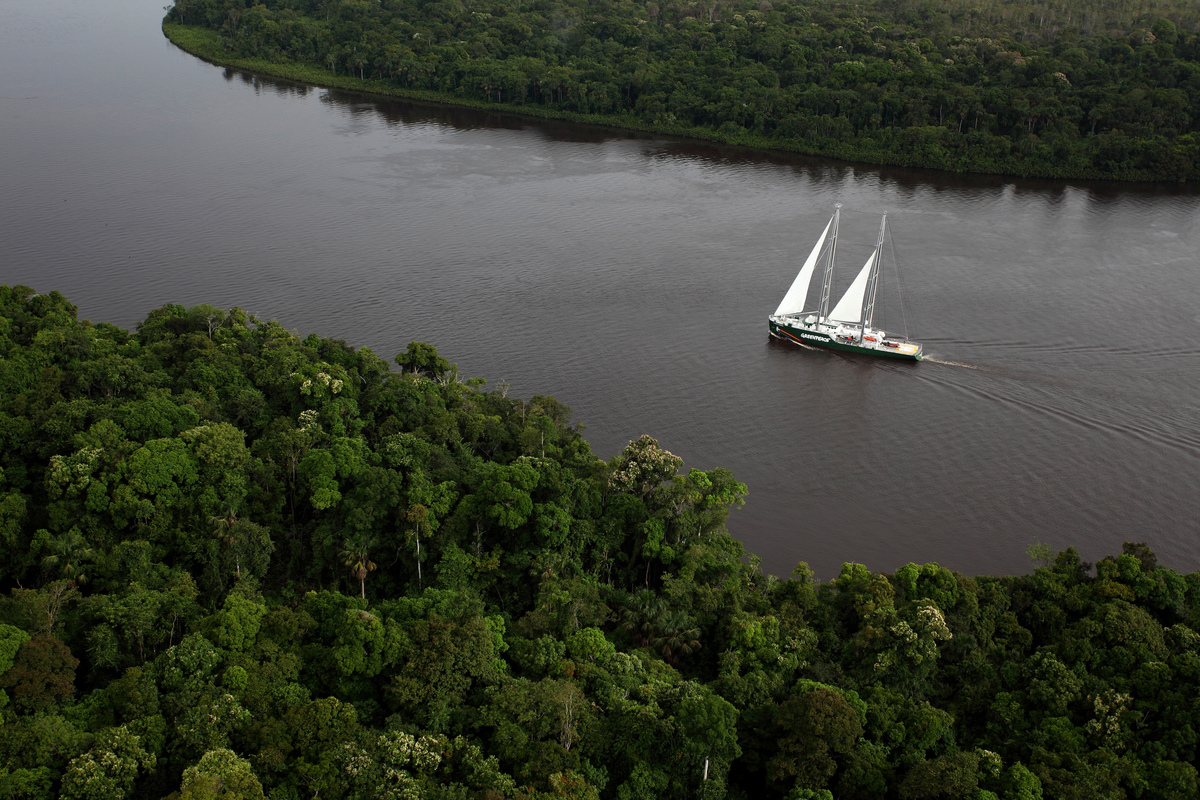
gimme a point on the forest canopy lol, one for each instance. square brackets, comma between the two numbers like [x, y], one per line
[239, 563]
[1078, 88]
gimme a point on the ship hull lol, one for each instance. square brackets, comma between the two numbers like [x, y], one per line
[907, 351]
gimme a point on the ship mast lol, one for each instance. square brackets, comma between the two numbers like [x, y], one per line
[868, 307]
[827, 283]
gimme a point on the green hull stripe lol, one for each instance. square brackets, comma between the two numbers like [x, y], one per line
[820, 340]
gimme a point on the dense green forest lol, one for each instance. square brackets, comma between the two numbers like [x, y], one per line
[239, 563]
[1055, 88]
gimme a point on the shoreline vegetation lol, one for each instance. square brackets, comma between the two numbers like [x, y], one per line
[206, 45]
[241, 563]
[1077, 90]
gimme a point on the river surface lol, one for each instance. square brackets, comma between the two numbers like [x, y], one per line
[631, 278]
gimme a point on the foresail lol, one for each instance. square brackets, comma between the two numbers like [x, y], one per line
[849, 308]
[793, 301]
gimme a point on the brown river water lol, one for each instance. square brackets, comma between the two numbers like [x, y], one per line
[631, 277]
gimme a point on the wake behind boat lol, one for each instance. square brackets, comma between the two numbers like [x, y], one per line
[848, 325]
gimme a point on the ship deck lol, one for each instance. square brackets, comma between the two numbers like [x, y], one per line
[841, 336]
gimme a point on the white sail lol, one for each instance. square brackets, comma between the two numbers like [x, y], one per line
[849, 308]
[793, 301]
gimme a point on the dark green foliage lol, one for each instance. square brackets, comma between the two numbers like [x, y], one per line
[1073, 89]
[264, 566]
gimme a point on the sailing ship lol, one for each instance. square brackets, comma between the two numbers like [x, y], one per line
[848, 326]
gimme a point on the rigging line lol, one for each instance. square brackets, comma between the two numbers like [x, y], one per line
[900, 285]
[881, 308]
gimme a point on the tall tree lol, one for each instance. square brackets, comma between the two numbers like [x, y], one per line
[356, 554]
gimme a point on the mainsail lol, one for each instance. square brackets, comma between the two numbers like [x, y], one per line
[849, 308]
[793, 301]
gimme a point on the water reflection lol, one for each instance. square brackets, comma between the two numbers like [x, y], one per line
[907, 182]
[395, 110]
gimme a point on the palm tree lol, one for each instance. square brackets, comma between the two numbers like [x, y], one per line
[68, 553]
[677, 638]
[357, 556]
[224, 525]
[417, 516]
[641, 616]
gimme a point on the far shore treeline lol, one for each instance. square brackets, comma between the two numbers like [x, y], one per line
[1069, 89]
[242, 564]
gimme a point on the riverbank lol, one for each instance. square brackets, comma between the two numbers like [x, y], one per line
[924, 151]
[206, 44]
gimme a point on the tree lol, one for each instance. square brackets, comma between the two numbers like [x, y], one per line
[812, 729]
[221, 775]
[235, 627]
[708, 724]
[394, 765]
[535, 725]
[28, 784]
[222, 525]
[1021, 784]
[109, 769]
[11, 639]
[356, 554]
[501, 493]
[69, 555]
[319, 730]
[42, 674]
[442, 660]
[136, 614]
[951, 775]
[417, 517]
[422, 359]
[42, 611]
[250, 546]
[222, 458]
[676, 637]
[642, 467]
[640, 617]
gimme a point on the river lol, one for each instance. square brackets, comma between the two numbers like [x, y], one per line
[631, 277]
